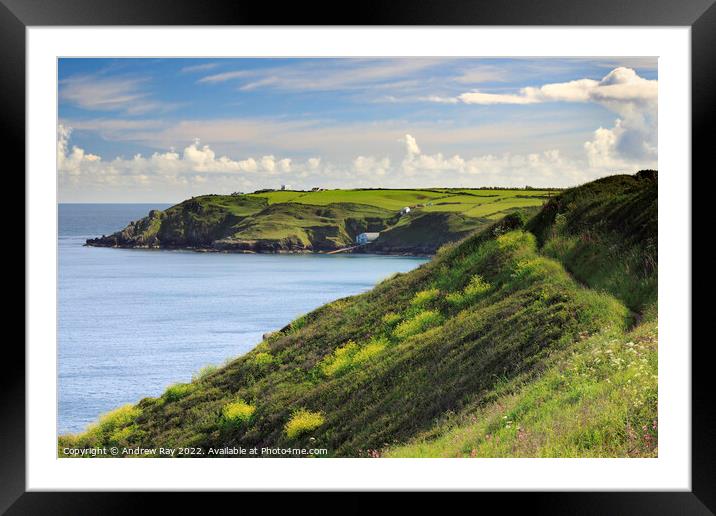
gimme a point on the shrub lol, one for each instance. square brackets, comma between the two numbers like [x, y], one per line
[118, 418]
[418, 324]
[177, 391]
[303, 421]
[538, 268]
[471, 293]
[263, 358]
[425, 297]
[516, 241]
[391, 319]
[373, 348]
[123, 434]
[238, 412]
[109, 426]
[298, 323]
[204, 372]
[340, 360]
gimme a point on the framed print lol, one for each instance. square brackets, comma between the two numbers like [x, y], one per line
[423, 252]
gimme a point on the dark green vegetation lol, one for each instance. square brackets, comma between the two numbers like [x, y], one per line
[529, 338]
[327, 220]
[605, 234]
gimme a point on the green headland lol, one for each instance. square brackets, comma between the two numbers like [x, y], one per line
[408, 221]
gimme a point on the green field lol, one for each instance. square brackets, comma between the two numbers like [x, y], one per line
[459, 200]
[534, 337]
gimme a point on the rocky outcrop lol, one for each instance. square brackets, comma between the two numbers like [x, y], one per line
[140, 233]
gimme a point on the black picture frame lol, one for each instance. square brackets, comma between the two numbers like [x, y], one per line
[700, 15]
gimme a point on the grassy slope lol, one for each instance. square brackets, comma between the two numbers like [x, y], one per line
[425, 231]
[317, 227]
[490, 345]
[599, 399]
[605, 233]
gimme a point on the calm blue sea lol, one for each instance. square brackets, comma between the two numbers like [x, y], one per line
[132, 322]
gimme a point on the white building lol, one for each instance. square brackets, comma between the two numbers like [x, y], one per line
[405, 210]
[285, 187]
[366, 238]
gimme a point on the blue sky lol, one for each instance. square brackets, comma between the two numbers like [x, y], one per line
[134, 130]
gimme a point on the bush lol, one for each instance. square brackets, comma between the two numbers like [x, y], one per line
[418, 324]
[425, 297]
[391, 319]
[118, 418]
[303, 421]
[298, 323]
[350, 355]
[373, 348]
[109, 426]
[264, 358]
[238, 412]
[471, 293]
[204, 372]
[529, 270]
[340, 360]
[123, 434]
[177, 391]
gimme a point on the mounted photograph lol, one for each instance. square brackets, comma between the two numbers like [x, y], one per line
[379, 257]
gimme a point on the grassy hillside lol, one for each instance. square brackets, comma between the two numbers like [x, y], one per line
[491, 349]
[325, 220]
[605, 233]
[425, 231]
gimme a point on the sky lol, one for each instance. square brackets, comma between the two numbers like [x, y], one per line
[163, 130]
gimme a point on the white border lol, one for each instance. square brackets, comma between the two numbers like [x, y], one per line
[670, 471]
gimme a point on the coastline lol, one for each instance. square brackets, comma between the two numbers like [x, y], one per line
[363, 250]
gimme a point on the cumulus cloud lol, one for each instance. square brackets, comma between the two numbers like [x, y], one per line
[411, 145]
[198, 169]
[622, 91]
[546, 168]
[70, 160]
[195, 165]
[621, 85]
[370, 166]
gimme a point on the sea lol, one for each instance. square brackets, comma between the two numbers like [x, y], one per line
[131, 322]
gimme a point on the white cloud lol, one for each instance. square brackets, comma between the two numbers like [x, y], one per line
[198, 169]
[436, 98]
[477, 97]
[199, 67]
[195, 164]
[370, 166]
[71, 160]
[484, 73]
[621, 85]
[411, 145]
[284, 165]
[326, 75]
[97, 93]
[225, 76]
[622, 91]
